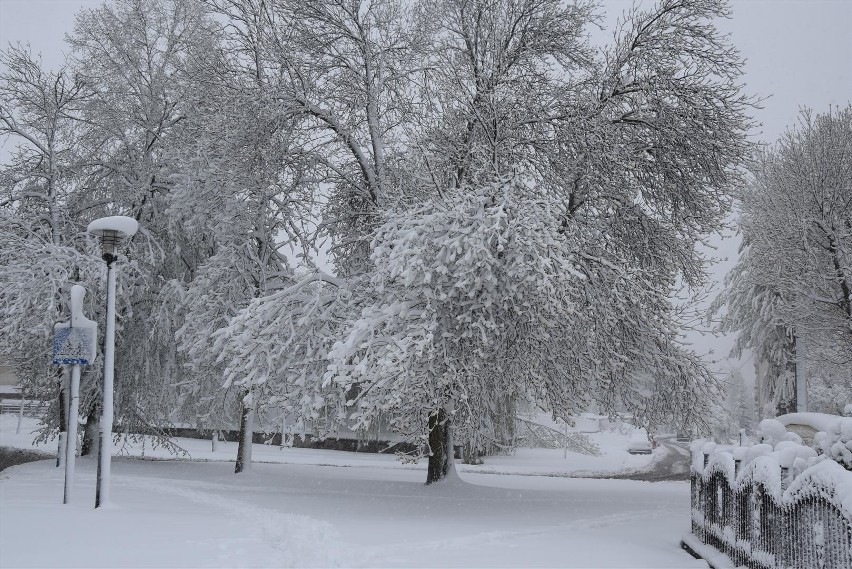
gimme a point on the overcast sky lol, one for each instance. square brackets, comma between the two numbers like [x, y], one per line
[798, 52]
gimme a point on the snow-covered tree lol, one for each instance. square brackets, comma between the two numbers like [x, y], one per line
[40, 241]
[241, 192]
[95, 138]
[337, 72]
[486, 295]
[277, 347]
[793, 280]
[498, 78]
[622, 164]
[732, 410]
[740, 400]
[38, 112]
[412, 141]
[343, 69]
[141, 59]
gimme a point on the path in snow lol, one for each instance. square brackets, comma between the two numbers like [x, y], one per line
[673, 465]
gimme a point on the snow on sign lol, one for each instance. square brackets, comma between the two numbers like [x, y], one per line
[75, 345]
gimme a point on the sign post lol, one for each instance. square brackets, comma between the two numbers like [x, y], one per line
[75, 344]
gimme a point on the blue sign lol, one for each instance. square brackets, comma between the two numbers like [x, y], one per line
[74, 345]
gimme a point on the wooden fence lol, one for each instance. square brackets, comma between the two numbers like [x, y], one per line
[762, 520]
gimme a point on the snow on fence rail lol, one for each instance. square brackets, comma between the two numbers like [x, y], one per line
[31, 408]
[765, 516]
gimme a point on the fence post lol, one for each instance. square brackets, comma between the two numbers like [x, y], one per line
[737, 516]
[694, 503]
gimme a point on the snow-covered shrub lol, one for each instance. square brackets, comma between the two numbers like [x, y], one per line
[756, 451]
[772, 432]
[785, 448]
[836, 443]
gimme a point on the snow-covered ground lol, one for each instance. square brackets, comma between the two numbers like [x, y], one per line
[300, 507]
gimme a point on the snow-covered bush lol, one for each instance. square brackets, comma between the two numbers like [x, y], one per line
[836, 443]
[784, 448]
[772, 432]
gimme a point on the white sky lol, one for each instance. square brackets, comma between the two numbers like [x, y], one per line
[798, 52]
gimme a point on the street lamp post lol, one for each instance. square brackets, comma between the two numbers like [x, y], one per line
[111, 231]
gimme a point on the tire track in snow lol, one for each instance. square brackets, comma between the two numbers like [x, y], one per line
[300, 541]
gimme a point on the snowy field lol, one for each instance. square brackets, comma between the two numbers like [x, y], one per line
[300, 507]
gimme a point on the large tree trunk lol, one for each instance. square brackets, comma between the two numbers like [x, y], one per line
[246, 434]
[90, 432]
[440, 447]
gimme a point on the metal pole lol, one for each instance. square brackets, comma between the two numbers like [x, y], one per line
[801, 376]
[21, 410]
[71, 438]
[63, 417]
[105, 431]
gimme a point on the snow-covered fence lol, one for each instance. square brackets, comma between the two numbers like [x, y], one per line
[761, 516]
[32, 408]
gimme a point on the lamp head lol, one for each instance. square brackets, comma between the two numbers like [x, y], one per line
[112, 230]
[109, 241]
